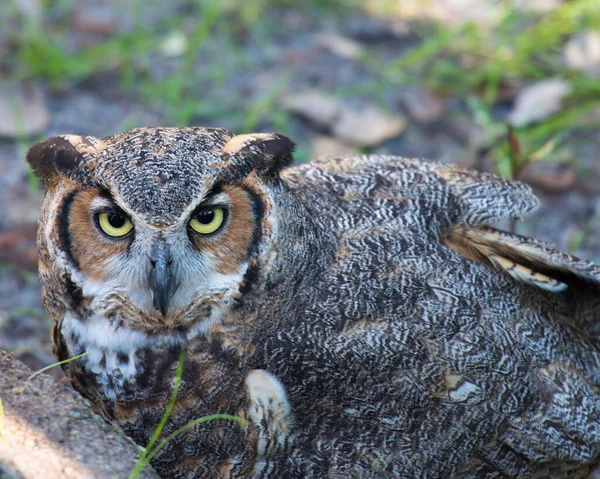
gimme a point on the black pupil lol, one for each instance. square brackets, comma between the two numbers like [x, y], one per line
[205, 217]
[116, 220]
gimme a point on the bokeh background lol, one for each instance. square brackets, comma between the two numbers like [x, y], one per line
[506, 86]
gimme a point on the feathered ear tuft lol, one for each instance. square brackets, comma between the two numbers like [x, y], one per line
[269, 152]
[60, 155]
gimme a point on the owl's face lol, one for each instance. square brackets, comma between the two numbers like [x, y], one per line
[158, 227]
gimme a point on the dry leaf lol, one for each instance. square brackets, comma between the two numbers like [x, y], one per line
[359, 127]
[582, 52]
[319, 109]
[367, 127]
[322, 145]
[340, 46]
[548, 177]
[538, 101]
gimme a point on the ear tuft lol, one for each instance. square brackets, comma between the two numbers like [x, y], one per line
[59, 154]
[269, 152]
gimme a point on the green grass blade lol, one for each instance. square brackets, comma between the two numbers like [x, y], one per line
[50, 366]
[143, 460]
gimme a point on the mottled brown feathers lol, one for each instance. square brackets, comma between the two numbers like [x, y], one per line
[486, 197]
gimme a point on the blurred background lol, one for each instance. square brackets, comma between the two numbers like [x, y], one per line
[511, 87]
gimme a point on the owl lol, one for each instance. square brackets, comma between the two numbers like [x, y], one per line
[358, 313]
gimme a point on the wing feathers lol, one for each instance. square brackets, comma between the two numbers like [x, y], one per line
[485, 197]
[524, 259]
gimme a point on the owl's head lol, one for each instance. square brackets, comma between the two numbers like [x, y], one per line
[157, 227]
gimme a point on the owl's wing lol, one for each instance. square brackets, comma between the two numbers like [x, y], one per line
[483, 198]
[523, 258]
[471, 197]
[538, 264]
[461, 203]
[466, 201]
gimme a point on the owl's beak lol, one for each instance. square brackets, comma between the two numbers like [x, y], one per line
[161, 279]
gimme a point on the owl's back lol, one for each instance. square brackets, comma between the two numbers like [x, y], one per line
[429, 342]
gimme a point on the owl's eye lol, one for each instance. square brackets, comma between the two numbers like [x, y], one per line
[207, 221]
[113, 224]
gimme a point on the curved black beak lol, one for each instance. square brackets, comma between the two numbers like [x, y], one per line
[161, 279]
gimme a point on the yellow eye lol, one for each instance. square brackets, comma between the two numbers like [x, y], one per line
[207, 221]
[114, 224]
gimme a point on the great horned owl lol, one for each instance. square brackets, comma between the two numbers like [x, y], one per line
[357, 311]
